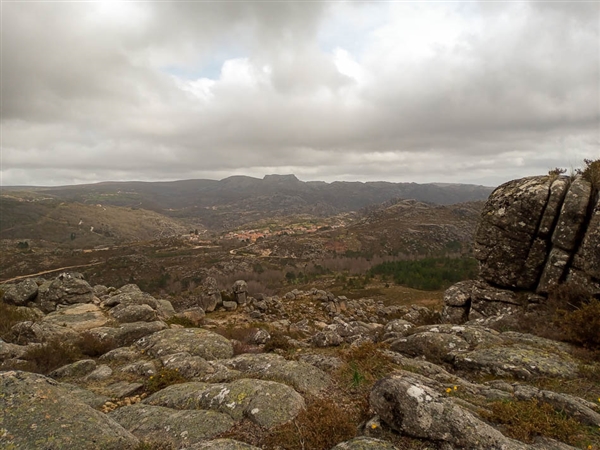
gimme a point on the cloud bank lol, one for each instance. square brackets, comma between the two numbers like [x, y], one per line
[453, 92]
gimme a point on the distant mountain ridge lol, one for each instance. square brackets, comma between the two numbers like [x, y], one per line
[241, 199]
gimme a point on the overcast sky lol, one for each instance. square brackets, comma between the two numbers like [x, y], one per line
[475, 92]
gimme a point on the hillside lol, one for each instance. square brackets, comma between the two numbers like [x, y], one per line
[239, 200]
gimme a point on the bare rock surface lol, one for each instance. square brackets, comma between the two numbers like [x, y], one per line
[266, 403]
[195, 341]
[81, 317]
[180, 428]
[37, 412]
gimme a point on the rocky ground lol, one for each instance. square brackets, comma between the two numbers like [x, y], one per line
[106, 368]
[307, 370]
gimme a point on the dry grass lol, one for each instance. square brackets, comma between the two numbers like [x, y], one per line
[322, 425]
[364, 365]
[165, 377]
[10, 316]
[524, 420]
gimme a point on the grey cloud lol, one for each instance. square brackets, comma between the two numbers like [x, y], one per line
[86, 98]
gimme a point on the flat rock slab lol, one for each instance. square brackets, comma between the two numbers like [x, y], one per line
[195, 341]
[266, 403]
[78, 317]
[303, 377]
[122, 389]
[520, 360]
[181, 428]
[37, 412]
[127, 333]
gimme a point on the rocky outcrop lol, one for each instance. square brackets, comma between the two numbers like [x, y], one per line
[535, 233]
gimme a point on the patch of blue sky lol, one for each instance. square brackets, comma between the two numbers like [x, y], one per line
[351, 25]
[209, 67]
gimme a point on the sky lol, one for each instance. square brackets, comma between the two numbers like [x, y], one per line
[463, 92]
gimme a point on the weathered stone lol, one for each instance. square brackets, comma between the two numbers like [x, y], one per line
[127, 313]
[455, 314]
[69, 288]
[142, 368]
[434, 346]
[534, 264]
[76, 369]
[266, 403]
[130, 294]
[230, 306]
[187, 365]
[100, 373]
[194, 315]
[590, 247]
[21, 293]
[164, 309]
[128, 333]
[78, 317]
[302, 376]
[195, 341]
[396, 328]
[327, 338]
[572, 215]
[27, 332]
[521, 361]
[555, 269]
[553, 205]
[37, 412]
[179, 428]
[508, 227]
[122, 389]
[240, 292]
[417, 410]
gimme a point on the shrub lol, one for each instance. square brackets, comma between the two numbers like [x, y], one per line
[51, 355]
[165, 377]
[183, 321]
[523, 420]
[93, 346]
[9, 316]
[365, 365]
[278, 341]
[582, 326]
[323, 424]
[591, 172]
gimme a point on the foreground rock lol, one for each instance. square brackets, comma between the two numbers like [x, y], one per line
[179, 428]
[37, 412]
[265, 403]
[414, 409]
[195, 341]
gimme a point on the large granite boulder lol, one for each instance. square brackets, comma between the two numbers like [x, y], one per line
[412, 408]
[21, 293]
[67, 289]
[534, 234]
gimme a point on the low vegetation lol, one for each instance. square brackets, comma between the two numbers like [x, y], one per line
[165, 377]
[427, 274]
[524, 420]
